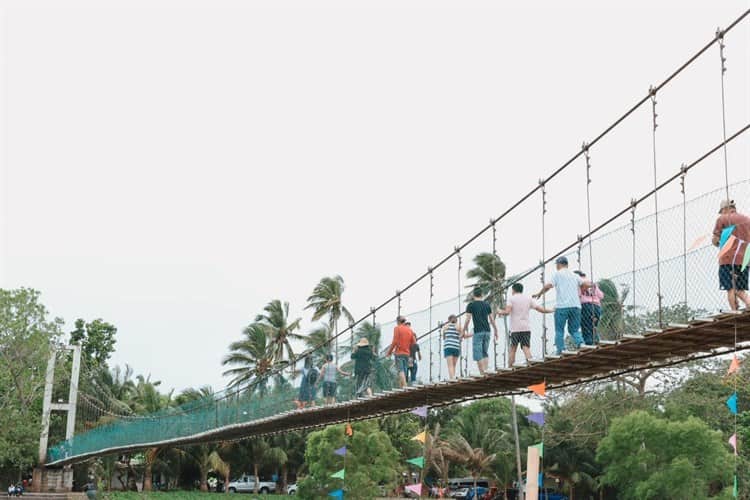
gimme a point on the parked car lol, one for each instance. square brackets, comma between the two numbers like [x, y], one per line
[246, 484]
[291, 489]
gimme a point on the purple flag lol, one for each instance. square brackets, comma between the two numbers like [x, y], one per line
[341, 451]
[421, 411]
[536, 418]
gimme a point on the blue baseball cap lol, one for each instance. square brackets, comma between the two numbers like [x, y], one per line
[562, 260]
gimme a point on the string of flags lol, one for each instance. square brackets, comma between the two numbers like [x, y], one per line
[734, 367]
[418, 461]
[341, 474]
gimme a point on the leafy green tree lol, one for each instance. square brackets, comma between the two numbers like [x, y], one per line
[371, 460]
[648, 457]
[326, 300]
[318, 337]
[293, 444]
[97, 341]
[26, 334]
[489, 275]
[251, 359]
[279, 329]
[476, 460]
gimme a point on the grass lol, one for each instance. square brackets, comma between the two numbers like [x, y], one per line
[182, 495]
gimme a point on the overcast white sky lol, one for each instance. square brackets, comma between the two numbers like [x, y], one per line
[173, 166]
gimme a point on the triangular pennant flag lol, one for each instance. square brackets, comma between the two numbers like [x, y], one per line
[421, 437]
[348, 430]
[536, 418]
[341, 451]
[732, 403]
[538, 389]
[421, 411]
[733, 442]
[745, 259]
[727, 246]
[698, 242]
[540, 447]
[415, 488]
[339, 474]
[337, 494]
[725, 234]
[419, 462]
[734, 366]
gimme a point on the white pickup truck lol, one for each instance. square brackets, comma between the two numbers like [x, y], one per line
[246, 484]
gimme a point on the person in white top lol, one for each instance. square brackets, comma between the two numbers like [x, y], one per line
[518, 308]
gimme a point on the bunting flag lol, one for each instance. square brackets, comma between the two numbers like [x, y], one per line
[725, 234]
[732, 403]
[337, 494]
[419, 462]
[540, 447]
[727, 246]
[733, 442]
[421, 411]
[536, 418]
[340, 452]
[745, 259]
[698, 242]
[538, 389]
[348, 431]
[734, 366]
[415, 488]
[339, 474]
[421, 437]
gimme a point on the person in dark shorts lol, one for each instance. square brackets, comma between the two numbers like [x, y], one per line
[518, 308]
[452, 335]
[328, 372]
[363, 360]
[414, 355]
[480, 313]
[732, 277]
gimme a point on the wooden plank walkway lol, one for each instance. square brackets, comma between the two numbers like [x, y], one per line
[675, 344]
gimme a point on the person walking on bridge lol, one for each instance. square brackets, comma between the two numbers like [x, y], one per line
[403, 338]
[363, 360]
[480, 313]
[731, 276]
[591, 310]
[329, 370]
[568, 303]
[518, 308]
[452, 335]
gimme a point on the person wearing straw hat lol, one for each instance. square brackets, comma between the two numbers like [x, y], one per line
[731, 276]
[363, 360]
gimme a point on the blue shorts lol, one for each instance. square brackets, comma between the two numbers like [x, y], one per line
[402, 363]
[451, 351]
[481, 345]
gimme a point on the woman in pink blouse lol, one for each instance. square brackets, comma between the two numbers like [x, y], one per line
[591, 310]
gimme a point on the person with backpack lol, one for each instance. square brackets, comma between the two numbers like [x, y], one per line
[307, 386]
[329, 371]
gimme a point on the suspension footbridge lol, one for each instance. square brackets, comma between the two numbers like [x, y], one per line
[666, 310]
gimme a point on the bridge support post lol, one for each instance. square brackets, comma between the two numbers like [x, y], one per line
[532, 473]
[57, 480]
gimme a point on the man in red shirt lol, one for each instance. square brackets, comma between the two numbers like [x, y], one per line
[403, 338]
[731, 277]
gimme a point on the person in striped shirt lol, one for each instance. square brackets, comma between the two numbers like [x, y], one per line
[452, 335]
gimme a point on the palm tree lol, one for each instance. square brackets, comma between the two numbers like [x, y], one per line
[251, 358]
[316, 341]
[325, 300]
[474, 459]
[278, 328]
[489, 273]
[257, 448]
[293, 444]
[205, 457]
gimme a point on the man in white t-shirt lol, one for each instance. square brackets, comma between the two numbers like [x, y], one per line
[518, 309]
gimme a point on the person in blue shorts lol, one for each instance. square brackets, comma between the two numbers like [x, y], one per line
[480, 313]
